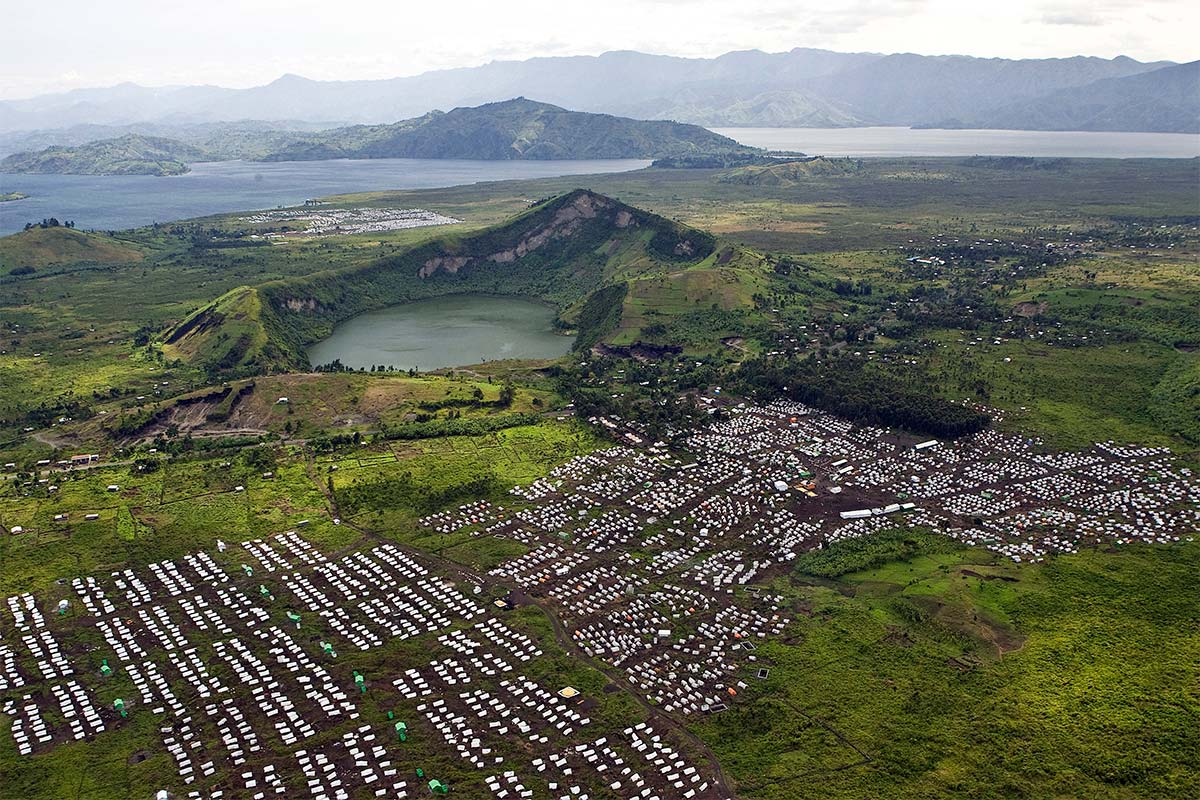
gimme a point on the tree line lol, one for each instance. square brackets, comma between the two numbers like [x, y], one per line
[860, 392]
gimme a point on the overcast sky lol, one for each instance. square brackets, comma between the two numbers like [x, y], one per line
[53, 46]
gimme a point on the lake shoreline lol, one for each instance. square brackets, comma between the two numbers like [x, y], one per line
[121, 202]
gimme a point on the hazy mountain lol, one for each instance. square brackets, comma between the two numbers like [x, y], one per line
[913, 90]
[126, 155]
[779, 108]
[512, 129]
[114, 105]
[799, 87]
[219, 137]
[1167, 100]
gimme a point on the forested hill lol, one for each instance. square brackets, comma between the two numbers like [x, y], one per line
[565, 250]
[513, 129]
[126, 155]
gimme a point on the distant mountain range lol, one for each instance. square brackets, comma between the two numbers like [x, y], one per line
[512, 129]
[803, 87]
[1166, 99]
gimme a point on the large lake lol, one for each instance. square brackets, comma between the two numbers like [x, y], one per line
[450, 331]
[112, 202]
[900, 142]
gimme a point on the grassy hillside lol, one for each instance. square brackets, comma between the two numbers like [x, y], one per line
[949, 674]
[40, 247]
[560, 250]
[231, 334]
[789, 173]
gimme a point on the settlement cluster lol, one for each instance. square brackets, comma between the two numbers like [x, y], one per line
[271, 668]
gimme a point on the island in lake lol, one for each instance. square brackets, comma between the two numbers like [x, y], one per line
[8, 197]
[516, 129]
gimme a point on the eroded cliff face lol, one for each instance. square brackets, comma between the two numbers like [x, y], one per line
[300, 304]
[685, 249]
[566, 222]
[450, 264]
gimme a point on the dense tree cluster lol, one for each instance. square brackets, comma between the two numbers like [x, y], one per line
[600, 314]
[860, 392]
[50, 222]
[403, 491]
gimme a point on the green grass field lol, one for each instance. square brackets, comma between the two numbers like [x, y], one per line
[954, 676]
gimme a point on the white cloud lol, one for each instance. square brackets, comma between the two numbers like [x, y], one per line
[73, 43]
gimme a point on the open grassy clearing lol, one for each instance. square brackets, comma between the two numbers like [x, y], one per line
[882, 205]
[166, 512]
[152, 515]
[894, 683]
[460, 467]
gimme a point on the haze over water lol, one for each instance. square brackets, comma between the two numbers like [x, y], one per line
[114, 202]
[893, 142]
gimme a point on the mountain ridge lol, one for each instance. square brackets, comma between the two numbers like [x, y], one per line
[517, 129]
[861, 88]
[1126, 103]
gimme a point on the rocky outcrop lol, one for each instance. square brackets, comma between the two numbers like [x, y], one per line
[299, 304]
[451, 264]
[566, 222]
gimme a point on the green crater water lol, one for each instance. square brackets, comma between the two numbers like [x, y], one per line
[450, 331]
